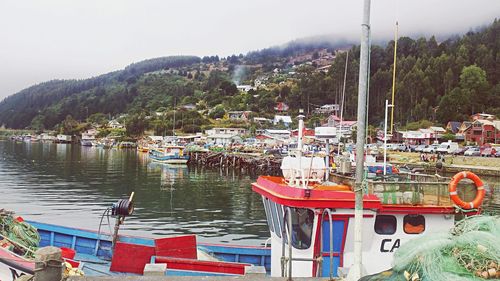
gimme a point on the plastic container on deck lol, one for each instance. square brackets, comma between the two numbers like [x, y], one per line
[67, 253]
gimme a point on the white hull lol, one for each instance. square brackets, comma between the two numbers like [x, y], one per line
[171, 161]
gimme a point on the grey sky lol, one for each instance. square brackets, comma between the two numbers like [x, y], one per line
[61, 39]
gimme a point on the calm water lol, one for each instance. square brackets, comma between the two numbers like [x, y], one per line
[73, 185]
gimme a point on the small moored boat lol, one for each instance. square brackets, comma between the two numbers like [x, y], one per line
[169, 154]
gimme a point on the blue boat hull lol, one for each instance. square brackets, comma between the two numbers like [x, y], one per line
[95, 250]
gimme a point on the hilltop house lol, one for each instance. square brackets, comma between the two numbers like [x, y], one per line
[327, 109]
[189, 106]
[245, 88]
[261, 120]
[239, 115]
[287, 120]
[114, 124]
[227, 131]
[281, 107]
[345, 127]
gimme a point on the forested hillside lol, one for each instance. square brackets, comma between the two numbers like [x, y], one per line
[437, 81]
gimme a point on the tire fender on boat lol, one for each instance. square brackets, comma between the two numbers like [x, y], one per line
[452, 187]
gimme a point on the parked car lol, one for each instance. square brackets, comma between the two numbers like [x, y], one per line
[413, 147]
[460, 150]
[431, 148]
[473, 151]
[391, 146]
[420, 148]
[402, 147]
[488, 152]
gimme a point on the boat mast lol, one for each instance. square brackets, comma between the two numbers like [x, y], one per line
[173, 126]
[342, 105]
[394, 75]
[355, 272]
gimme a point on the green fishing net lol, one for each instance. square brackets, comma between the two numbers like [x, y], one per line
[17, 235]
[470, 251]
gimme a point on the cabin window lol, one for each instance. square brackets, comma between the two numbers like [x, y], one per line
[268, 214]
[302, 226]
[385, 225]
[274, 213]
[414, 224]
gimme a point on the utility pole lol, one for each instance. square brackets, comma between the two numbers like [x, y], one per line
[355, 272]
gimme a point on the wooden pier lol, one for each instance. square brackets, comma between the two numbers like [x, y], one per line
[245, 162]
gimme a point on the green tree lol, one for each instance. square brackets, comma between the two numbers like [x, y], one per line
[474, 85]
[217, 112]
[37, 124]
[135, 125]
[98, 118]
[69, 126]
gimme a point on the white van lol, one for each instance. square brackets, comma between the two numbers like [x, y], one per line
[447, 147]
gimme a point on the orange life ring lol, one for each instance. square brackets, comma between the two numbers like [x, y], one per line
[452, 187]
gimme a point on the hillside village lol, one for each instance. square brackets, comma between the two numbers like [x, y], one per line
[227, 128]
[444, 91]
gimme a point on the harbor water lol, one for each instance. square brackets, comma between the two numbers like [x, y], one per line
[72, 185]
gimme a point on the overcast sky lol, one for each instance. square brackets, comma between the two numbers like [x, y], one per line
[63, 39]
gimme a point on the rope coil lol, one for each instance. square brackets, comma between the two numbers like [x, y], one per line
[123, 207]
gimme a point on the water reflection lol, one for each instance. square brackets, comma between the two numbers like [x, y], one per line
[73, 185]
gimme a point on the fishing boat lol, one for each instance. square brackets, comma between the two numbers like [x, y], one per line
[171, 154]
[311, 220]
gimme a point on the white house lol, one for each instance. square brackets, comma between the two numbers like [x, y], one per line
[280, 134]
[327, 108]
[261, 120]
[224, 139]
[239, 115]
[287, 120]
[245, 88]
[115, 125]
[229, 131]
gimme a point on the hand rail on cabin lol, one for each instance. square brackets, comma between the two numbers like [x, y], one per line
[284, 259]
[326, 211]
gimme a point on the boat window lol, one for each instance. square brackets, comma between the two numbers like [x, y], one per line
[268, 214]
[414, 224]
[385, 224]
[274, 213]
[302, 226]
